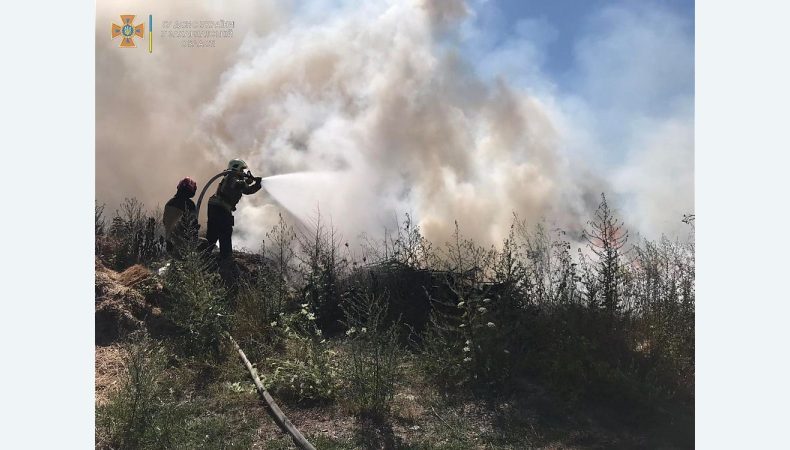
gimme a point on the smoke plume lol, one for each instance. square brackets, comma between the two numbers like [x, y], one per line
[377, 98]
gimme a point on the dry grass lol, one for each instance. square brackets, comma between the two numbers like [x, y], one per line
[134, 276]
[108, 368]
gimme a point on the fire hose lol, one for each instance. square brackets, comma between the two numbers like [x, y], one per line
[205, 188]
[247, 175]
[275, 411]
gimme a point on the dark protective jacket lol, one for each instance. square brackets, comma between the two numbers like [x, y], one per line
[231, 188]
[179, 218]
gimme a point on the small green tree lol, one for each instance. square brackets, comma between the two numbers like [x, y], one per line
[196, 303]
[372, 365]
[282, 255]
[322, 269]
[551, 272]
[606, 239]
[260, 300]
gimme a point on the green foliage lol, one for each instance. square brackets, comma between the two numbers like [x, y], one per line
[611, 325]
[197, 304]
[606, 239]
[253, 317]
[475, 330]
[262, 300]
[551, 274]
[606, 323]
[148, 409]
[275, 283]
[136, 415]
[135, 236]
[371, 365]
[322, 269]
[663, 281]
[308, 368]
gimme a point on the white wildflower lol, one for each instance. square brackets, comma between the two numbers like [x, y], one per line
[364, 330]
[467, 359]
[482, 310]
[461, 304]
[467, 349]
[351, 331]
[274, 324]
[310, 316]
[490, 325]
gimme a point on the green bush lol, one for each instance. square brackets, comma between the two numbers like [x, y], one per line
[260, 301]
[475, 330]
[137, 414]
[135, 235]
[323, 268]
[371, 365]
[151, 410]
[197, 304]
[308, 368]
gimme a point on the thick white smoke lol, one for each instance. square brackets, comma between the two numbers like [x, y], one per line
[381, 96]
[370, 93]
[148, 105]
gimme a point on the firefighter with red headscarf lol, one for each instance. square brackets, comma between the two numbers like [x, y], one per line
[181, 225]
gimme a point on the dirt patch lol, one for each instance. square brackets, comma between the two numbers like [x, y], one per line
[327, 421]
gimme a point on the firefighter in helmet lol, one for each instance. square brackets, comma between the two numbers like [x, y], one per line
[222, 204]
[179, 217]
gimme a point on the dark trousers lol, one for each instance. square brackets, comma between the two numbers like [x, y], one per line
[219, 228]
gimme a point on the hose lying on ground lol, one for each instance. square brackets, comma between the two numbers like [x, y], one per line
[275, 411]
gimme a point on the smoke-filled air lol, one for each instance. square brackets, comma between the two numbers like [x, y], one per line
[386, 108]
[433, 224]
